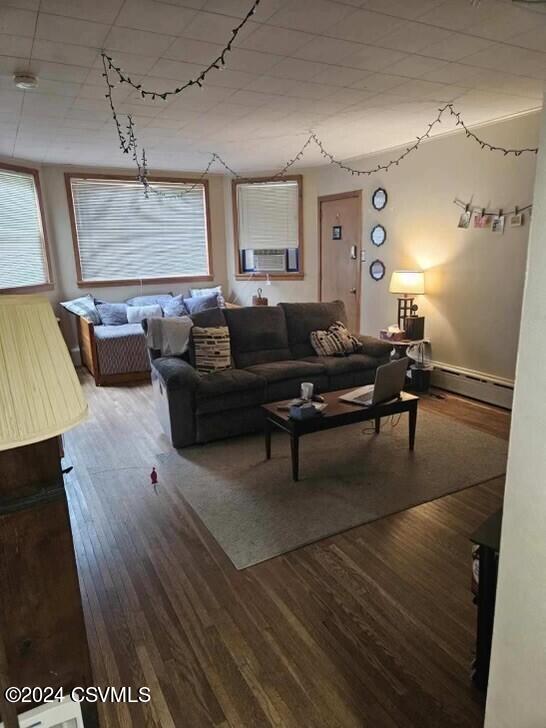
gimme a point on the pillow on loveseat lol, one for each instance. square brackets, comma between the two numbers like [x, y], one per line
[83, 306]
[211, 348]
[337, 339]
[112, 314]
[135, 314]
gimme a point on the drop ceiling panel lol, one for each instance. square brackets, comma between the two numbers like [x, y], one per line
[365, 74]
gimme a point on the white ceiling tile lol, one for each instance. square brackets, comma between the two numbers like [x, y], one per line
[129, 62]
[92, 91]
[415, 66]
[37, 104]
[194, 51]
[250, 98]
[46, 50]
[413, 37]
[239, 8]
[379, 82]
[534, 39]
[419, 89]
[296, 69]
[25, 4]
[251, 61]
[147, 15]
[275, 40]
[11, 100]
[137, 41]
[79, 32]
[454, 73]
[232, 79]
[215, 28]
[504, 57]
[401, 8]
[452, 14]
[58, 71]
[502, 21]
[456, 46]
[369, 58]
[15, 45]
[341, 76]
[327, 50]
[176, 70]
[363, 26]
[59, 88]
[101, 11]
[312, 16]
[17, 21]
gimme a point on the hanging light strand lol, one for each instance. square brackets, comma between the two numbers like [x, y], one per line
[217, 64]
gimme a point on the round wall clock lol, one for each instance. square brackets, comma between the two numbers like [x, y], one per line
[379, 198]
[378, 235]
[377, 270]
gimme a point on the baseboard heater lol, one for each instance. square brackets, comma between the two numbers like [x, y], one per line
[484, 387]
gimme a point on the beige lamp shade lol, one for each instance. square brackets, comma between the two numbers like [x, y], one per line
[40, 395]
[411, 282]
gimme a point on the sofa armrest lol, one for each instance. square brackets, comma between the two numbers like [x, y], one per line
[176, 373]
[374, 347]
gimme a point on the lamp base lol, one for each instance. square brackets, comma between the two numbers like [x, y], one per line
[406, 308]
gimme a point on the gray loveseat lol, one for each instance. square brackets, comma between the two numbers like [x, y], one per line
[272, 355]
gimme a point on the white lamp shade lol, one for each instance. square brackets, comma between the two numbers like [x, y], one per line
[408, 282]
[40, 395]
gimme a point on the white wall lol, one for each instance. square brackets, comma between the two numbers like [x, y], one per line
[516, 696]
[474, 278]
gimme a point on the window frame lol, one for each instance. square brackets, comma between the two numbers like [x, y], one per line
[287, 275]
[49, 285]
[87, 283]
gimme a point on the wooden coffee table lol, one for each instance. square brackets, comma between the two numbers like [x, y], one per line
[337, 414]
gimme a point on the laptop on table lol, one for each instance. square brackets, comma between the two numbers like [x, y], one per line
[389, 382]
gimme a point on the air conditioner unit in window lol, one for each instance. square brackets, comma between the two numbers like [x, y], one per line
[273, 260]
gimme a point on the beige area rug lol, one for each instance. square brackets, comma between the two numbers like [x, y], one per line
[347, 478]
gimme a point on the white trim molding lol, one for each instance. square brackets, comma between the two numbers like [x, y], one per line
[475, 384]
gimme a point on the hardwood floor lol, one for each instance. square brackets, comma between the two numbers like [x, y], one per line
[370, 628]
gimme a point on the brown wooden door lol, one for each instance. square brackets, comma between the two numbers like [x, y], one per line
[340, 240]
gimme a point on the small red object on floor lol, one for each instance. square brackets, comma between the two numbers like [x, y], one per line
[153, 476]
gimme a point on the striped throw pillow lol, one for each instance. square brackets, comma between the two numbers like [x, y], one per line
[211, 348]
[336, 340]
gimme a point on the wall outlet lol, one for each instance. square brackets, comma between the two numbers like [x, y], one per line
[362, 256]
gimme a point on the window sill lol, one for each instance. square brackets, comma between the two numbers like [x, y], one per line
[270, 277]
[143, 281]
[38, 288]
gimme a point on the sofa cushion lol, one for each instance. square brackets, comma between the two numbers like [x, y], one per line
[121, 349]
[275, 371]
[229, 389]
[302, 318]
[118, 331]
[342, 364]
[258, 335]
[284, 378]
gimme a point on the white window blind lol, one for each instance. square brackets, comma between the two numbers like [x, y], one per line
[23, 259]
[268, 215]
[122, 235]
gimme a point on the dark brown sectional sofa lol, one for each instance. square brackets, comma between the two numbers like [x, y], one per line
[272, 355]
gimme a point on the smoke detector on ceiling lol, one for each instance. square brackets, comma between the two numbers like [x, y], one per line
[25, 81]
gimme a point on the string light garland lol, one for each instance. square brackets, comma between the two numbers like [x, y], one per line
[216, 65]
[128, 142]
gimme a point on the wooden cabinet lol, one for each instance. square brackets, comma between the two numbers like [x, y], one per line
[42, 630]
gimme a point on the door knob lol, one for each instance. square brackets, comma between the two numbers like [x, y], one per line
[353, 290]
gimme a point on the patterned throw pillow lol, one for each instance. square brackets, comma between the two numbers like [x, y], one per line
[211, 349]
[83, 306]
[175, 307]
[336, 340]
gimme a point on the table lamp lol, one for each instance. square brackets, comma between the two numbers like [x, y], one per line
[42, 632]
[409, 283]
